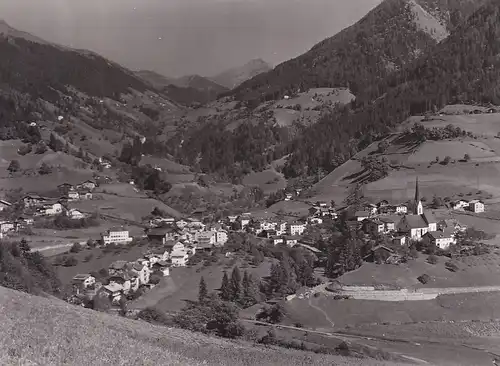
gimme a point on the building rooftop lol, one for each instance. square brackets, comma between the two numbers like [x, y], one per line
[81, 277]
[118, 265]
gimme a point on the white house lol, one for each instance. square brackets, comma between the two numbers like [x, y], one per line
[374, 226]
[291, 241]
[232, 218]
[268, 225]
[118, 235]
[401, 209]
[442, 239]
[74, 214]
[460, 205]
[244, 220]
[83, 281]
[288, 196]
[281, 228]
[113, 291]
[277, 240]
[51, 209]
[476, 206]
[297, 228]
[221, 237]
[73, 195]
[88, 184]
[179, 258]
[206, 238]
[315, 220]
[6, 226]
[142, 271]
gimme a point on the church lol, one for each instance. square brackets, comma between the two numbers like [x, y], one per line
[418, 223]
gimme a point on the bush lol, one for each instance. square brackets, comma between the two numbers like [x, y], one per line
[450, 266]
[25, 149]
[425, 278]
[466, 157]
[152, 315]
[40, 148]
[76, 248]
[70, 261]
[45, 169]
[432, 259]
[14, 166]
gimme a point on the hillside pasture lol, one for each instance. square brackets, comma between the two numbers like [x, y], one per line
[456, 149]
[317, 96]
[269, 180]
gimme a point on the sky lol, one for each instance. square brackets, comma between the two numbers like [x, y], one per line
[180, 37]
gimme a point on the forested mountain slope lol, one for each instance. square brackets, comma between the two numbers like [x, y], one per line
[389, 37]
[463, 68]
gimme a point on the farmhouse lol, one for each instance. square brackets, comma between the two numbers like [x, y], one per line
[221, 237]
[315, 220]
[373, 226]
[281, 227]
[179, 258]
[118, 235]
[416, 225]
[441, 239]
[50, 209]
[382, 254]
[389, 223]
[88, 184]
[361, 215]
[73, 195]
[85, 194]
[117, 267]
[206, 238]
[74, 214]
[459, 205]
[33, 200]
[370, 208]
[297, 228]
[163, 234]
[181, 224]
[4, 204]
[83, 281]
[6, 226]
[162, 267]
[451, 224]
[113, 291]
[291, 240]
[244, 220]
[401, 209]
[64, 188]
[399, 240]
[142, 271]
[277, 240]
[476, 206]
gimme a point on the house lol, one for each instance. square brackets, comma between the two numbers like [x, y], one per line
[373, 226]
[401, 209]
[419, 223]
[6, 226]
[33, 201]
[73, 195]
[64, 188]
[4, 204]
[162, 267]
[297, 228]
[277, 240]
[49, 209]
[83, 280]
[123, 280]
[142, 271]
[232, 218]
[452, 224]
[85, 194]
[157, 221]
[112, 291]
[389, 222]
[163, 234]
[382, 254]
[288, 196]
[361, 215]
[441, 239]
[74, 214]
[459, 205]
[399, 240]
[88, 184]
[117, 267]
[178, 247]
[382, 203]
[181, 224]
[206, 238]
[195, 224]
[179, 258]
[315, 220]
[281, 227]
[476, 206]
[267, 225]
[23, 222]
[291, 240]
[244, 220]
[315, 211]
[221, 237]
[370, 208]
[117, 235]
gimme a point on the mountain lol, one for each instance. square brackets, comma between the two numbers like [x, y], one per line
[463, 68]
[200, 83]
[390, 36]
[42, 81]
[233, 77]
[157, 80]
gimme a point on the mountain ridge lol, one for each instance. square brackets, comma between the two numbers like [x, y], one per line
[233, 77]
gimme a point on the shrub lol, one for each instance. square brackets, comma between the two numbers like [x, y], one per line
[76, 248]
[14, 166]
[70, 261]
[446, 160]
[25, 149]
[450, 266]
[466, 157]
[45, 169]
[432, 259]
[424, 278]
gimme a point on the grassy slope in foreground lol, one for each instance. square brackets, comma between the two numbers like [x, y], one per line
[36, 330]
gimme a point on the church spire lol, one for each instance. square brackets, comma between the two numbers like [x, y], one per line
[419, 208]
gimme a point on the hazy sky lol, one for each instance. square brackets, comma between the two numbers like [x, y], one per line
[178, 37]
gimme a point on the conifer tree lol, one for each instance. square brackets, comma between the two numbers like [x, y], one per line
[249, 291]
[202, 292]
[225, 289]
[235, 284]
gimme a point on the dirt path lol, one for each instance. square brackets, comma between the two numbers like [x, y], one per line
[321, 311]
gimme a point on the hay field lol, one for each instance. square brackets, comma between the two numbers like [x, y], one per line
[478, 151]
[36, 330]
[269, 180]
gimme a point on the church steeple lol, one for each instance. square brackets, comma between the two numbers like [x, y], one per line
[419, 209]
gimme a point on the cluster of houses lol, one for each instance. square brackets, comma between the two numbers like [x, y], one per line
[476, 206]
[403, 226]
[39, 206]
[124, 277]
